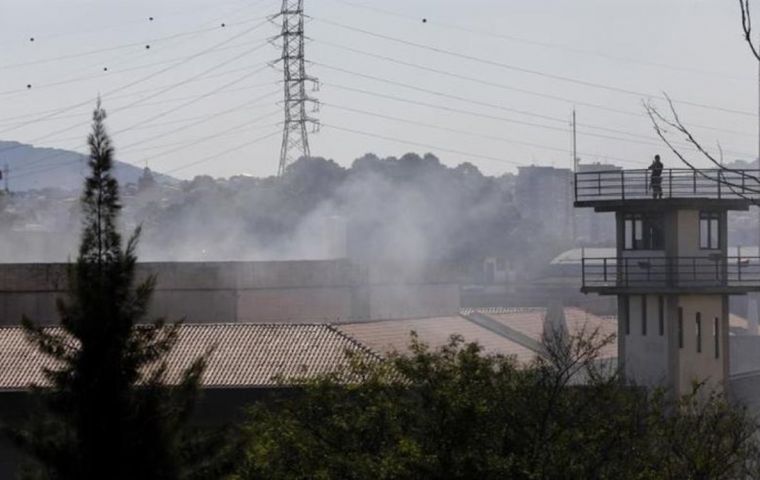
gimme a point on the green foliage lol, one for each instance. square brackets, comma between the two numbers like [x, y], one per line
[106, 411]
[456, 413]
[708, 439]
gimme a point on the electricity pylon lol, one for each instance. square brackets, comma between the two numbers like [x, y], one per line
[295, 137]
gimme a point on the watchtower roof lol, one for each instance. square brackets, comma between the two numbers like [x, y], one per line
[612, 190]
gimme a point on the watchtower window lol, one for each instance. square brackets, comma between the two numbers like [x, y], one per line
[643, 231]
[716, 336]
[699, 332]
[661, 313]
[709, 230]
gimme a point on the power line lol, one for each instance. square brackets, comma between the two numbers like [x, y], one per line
[185, 122]
[190, 102]
[49, 167]
[470, 101]
[465, 132]
[206, 138]
[159, 102]
[140, 44]
[223, 134]
[542, 44]
[215, 156]
[426, 145]
[563, 129]
[110, 72]
[574, 102]
[516, 89]
[171, 14]
[562, 121]
[154, 117]
[128, 95]
[529, 71]
[193, 100]
[199, 121]
[455, 97]
[159, 115]
[170, 87]
[138, 81]
[433, 70]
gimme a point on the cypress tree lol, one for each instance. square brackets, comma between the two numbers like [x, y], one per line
[108, 409]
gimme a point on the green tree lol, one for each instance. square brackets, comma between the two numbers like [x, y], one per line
[456, 413]
[709, 438]
[108, 409]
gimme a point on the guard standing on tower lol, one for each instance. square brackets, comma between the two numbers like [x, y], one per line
[655, 178]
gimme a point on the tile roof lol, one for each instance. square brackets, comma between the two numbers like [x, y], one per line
[530, 322]
[578, 319]
[20, 364]
[258, 355]
[245, 355]
[394, 335]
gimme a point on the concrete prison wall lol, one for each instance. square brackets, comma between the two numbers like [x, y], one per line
[253, 292]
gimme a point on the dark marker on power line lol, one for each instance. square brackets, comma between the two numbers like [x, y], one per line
[150, 18]
[31, 39]
[105, 69]
[424, 20]
[28, 85]
[147, 47]
[224, 25]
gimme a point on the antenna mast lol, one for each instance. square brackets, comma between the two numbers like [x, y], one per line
[295, 140]
[575, 146]
[575, 171]
[753, 309]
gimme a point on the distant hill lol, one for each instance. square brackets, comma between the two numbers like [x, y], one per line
[33, 168]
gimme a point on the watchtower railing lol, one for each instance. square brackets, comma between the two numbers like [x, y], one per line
[671, 272]
[674, 182]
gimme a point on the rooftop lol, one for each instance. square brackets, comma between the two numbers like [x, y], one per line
[530, 322]
[245, 355]
[388, 336]
[269, 355]
[612, 189]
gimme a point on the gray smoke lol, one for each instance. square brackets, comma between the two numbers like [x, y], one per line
[404, 214]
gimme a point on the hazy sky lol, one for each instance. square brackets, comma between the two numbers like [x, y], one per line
[202, 95]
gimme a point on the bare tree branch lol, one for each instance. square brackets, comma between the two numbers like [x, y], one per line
[747, 27]
[678, 125]
[658, 120]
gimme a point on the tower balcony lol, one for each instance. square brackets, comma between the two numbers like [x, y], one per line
[714, 274]
[681, 187]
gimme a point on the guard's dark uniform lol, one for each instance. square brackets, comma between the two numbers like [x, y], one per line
[656, 177]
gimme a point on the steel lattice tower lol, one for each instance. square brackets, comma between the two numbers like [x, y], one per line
[295, 139]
